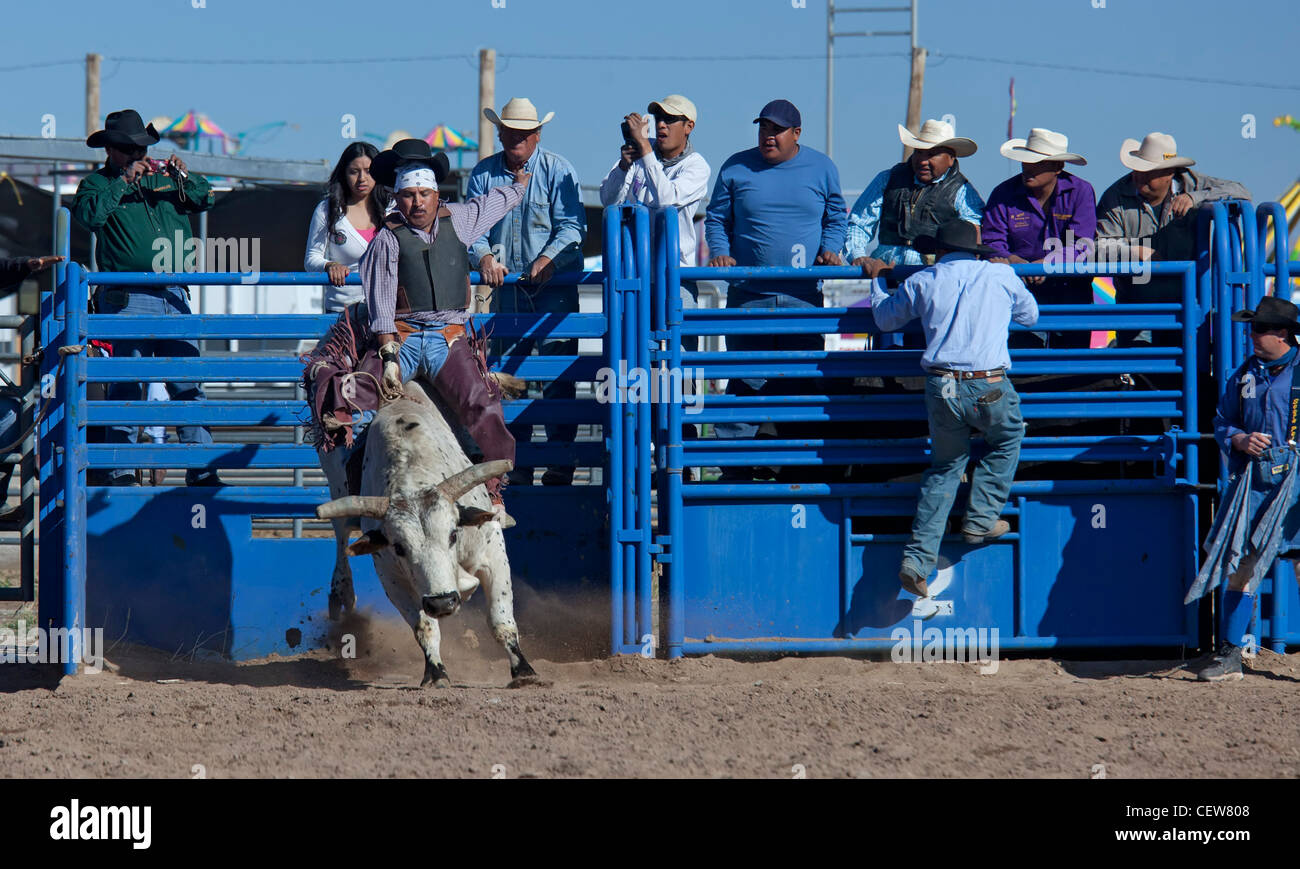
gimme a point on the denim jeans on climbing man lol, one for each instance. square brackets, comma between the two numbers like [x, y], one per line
[956, 409]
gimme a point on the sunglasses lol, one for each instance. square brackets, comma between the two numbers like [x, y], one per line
[1264, 328]
[669, 119]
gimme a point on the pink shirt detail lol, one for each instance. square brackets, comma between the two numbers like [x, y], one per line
[367, 234]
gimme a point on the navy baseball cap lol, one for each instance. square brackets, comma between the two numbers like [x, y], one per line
[780, 112]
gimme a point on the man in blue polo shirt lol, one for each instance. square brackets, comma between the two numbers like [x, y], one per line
[778, 204]
[965, 307]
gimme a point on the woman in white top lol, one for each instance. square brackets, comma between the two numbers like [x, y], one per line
[344, 223]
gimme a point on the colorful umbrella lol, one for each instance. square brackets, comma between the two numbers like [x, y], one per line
[192, 126]
[445, 138]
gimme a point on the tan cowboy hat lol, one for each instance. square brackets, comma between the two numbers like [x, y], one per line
[518, 114]
[1157, 151]
[674, 104]
[937, 134]
[1042, 145]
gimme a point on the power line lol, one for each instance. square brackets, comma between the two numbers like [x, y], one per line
[1103, 71]
[681, 58]
[26, 66]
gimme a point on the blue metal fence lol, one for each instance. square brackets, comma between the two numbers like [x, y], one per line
[750, 567]
[797, 566]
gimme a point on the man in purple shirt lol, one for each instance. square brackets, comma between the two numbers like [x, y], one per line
[1044, 213]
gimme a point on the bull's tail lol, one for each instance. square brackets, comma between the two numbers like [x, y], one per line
[511, 387]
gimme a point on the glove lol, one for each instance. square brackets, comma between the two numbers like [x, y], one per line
[391, 383]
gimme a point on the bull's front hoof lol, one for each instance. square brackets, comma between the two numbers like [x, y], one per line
[336, 607]
[435, 677]
[532, 680]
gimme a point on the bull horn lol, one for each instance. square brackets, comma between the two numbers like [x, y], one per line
[475, 475]
[374, 506]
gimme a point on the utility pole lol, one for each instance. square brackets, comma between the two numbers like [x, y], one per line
[92, 92]
[914, 89]
[487, 89]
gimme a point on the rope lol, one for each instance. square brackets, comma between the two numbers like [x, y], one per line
[64, 352]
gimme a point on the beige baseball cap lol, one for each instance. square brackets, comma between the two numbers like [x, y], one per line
[674, 104]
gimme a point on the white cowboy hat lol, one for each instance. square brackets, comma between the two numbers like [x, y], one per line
[937, 134]
[1042, 145]
[1157, 151]
[518, 114]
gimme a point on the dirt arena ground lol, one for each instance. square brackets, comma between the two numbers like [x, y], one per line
[153, 714]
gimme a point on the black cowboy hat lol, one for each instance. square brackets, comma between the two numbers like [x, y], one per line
[124, 128]
[953, 235]
[1272, 311]
[384, 167]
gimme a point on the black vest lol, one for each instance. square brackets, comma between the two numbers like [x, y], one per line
[908, 211]
[431, 276]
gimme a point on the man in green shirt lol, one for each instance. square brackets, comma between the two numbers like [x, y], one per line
[139, 211]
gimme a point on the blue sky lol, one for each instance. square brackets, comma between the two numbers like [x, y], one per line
[687, 46]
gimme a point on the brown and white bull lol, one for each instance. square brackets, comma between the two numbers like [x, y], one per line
[428, 523]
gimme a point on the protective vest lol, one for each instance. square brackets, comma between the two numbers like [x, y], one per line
[908, 211]
[431, 276]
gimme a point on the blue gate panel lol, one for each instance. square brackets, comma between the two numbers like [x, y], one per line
[156, 580]
[561, 538]
[1126, 578]
[973, 587]
[753, 574]
[768, 570]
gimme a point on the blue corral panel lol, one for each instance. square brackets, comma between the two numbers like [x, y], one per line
[753, 573]
[154, 578]
[561, 540]
[1109, 566]
[973, 587]
[773, 571]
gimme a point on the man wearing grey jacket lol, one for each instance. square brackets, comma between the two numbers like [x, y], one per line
[1150, 214]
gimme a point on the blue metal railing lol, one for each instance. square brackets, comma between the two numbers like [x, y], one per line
[1176, 449]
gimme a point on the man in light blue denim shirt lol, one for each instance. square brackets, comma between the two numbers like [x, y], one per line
[965, 307]
[539, 238]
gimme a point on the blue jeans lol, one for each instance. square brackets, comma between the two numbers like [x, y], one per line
[154, 301]
[539, 300]
[742, 298]
[954, 409]
[423, 353]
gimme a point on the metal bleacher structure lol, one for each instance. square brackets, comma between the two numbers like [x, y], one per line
[1115, 489]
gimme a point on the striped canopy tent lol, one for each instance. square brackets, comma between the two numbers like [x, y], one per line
[191, 128]
[445, 138]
